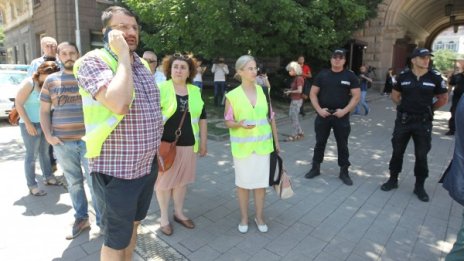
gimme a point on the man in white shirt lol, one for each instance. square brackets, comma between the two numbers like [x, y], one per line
[220, 71]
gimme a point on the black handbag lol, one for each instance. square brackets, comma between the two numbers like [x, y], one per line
[276, 162]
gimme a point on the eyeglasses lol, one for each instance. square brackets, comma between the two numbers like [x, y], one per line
[127, 27]
[251, 69]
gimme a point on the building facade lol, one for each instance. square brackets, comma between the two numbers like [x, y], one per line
[25, 22]
[401, 26]
[449, 40]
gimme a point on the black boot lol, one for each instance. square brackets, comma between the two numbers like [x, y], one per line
[315, 171]
[419, 189]
[392, 183]
[344, 176]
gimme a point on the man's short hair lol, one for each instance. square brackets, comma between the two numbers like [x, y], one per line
[110, 11]
[66, 43]
[149, 53]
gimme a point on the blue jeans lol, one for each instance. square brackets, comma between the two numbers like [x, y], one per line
[219, 89]
[71, 158]
[35, 146]
[362, 102]
[199, 84]
[457, 252]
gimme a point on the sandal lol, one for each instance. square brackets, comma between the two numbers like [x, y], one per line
[52, 182]
[292, 138]
[37, 192]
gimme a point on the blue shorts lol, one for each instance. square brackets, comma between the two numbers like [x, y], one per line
[122, 202]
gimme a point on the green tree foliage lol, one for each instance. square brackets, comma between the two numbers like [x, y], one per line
[444, 60]
[284, 28]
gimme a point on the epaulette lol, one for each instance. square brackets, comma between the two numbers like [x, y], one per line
[405, 71]
[436, 72]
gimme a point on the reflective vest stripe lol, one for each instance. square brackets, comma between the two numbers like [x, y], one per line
[257, 122]
[251, 139]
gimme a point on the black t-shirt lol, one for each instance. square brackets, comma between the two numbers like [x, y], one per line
[335, 88]
[457, 80]
[417, 93]
[171, 125]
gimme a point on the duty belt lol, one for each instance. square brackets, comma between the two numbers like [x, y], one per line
[408, 117]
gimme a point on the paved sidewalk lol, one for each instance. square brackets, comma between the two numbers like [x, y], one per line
[325, 220]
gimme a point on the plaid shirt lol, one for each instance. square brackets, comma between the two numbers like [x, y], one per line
[129, 151]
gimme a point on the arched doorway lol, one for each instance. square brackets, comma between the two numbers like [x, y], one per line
[400, 26]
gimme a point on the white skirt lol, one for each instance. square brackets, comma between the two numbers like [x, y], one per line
[252, 172]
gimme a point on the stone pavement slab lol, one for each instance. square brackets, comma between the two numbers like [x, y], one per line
[325, 220]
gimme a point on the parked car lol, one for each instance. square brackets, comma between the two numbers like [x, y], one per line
[11, 76]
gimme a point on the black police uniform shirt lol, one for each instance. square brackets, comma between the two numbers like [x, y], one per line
[417, 93]
[335, 88]
[457, 80]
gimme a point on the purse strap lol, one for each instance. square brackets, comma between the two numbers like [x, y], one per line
[269, 108]
[178, 131]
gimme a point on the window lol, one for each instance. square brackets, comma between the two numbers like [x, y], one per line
[451, 46]
[96, 39]
[439, 45]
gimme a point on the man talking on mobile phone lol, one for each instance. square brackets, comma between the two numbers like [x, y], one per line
[124, 125]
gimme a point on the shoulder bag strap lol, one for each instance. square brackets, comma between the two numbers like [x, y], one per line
[269, 106]
[178, 131]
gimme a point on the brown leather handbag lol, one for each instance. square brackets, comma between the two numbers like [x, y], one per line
[167, 150]
[13, 117]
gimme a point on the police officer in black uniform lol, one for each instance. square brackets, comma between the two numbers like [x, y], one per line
[415, 95]
[456, 81]
[334, 94]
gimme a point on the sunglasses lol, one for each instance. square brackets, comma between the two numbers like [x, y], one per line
[151, 61]
[181, 56]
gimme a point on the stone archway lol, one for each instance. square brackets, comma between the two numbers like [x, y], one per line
[401, 26]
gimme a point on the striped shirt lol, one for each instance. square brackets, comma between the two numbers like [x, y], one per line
[61, 90]
[131, 148]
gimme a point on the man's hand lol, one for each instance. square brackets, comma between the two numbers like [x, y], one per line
[117, 42]
[53, 140]
[339, 113]
[324, 112]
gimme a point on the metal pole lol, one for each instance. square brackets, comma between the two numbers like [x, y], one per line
[78, 31]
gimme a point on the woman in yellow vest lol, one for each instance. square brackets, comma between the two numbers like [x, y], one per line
[246, 116]
[177, 95]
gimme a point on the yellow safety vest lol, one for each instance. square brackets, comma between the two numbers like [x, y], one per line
[99, 121]
[169, 106]
[258, 139]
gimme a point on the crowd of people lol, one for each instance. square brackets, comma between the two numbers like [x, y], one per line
[106, 113]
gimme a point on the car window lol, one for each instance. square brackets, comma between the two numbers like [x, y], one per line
[12, 78]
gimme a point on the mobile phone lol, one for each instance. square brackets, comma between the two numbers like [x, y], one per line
[105, 35]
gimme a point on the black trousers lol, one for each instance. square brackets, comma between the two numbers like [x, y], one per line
[454, 104]
[341, 128]
[421, 133]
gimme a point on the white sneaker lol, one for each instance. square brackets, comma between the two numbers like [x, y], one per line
[262, 228]
[242, 228]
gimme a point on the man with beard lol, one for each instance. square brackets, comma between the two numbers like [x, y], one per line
[64, 129]
[123, 123]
